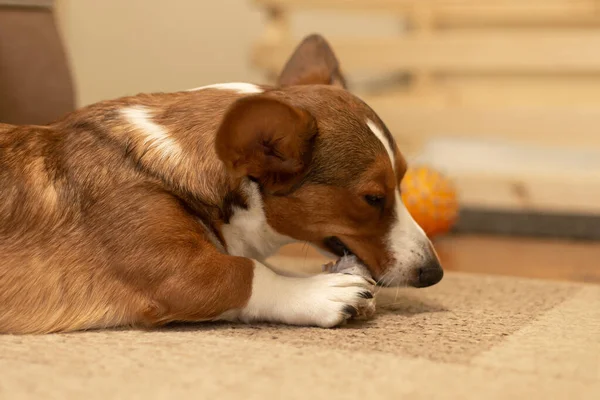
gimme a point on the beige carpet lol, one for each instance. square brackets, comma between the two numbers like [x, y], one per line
[471, 337]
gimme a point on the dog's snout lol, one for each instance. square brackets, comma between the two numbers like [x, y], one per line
[430, 274]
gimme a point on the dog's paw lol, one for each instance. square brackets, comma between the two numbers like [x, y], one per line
[324, 300]
[334, 298]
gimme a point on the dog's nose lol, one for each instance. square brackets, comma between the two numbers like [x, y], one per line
[430, 274]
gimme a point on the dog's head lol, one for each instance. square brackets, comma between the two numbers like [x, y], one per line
[328, 168]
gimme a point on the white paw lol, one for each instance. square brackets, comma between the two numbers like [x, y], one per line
[324, 300]
[331, 299]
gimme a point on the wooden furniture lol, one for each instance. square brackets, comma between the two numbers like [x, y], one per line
[466, 77]
[36, 86]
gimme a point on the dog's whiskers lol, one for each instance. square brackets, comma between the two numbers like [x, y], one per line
[380, 284]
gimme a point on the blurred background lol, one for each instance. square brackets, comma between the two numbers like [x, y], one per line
[501, 96]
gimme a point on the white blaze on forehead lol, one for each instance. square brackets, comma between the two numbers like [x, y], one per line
[407, 242]
[378, 132]
[405, 224]
[150, 134]
[239, 87]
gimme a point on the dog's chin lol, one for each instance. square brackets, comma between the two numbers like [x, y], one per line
[389, 282]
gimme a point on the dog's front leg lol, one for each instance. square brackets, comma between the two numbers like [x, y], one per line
[324, 300]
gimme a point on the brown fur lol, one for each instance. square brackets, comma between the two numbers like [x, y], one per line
[92, 236]
[100, 227]
[341, 212]
[267, 140]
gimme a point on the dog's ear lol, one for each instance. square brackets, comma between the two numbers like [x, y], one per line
[267, 140]
[313, 62]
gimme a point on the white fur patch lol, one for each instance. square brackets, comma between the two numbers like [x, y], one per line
[239, 87]
[150, 134]
[405, 228]
[384, 141]
[318, 300]
[407, 241]
[248, 233]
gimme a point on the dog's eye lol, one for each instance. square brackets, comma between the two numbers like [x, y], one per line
[375, 200]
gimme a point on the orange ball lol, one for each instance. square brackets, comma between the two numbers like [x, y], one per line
[431, 199]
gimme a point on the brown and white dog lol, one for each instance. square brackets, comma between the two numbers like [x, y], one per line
[162, 207]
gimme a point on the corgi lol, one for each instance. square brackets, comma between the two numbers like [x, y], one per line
[161, 208]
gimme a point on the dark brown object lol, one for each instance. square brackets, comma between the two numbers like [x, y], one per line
[35, 81]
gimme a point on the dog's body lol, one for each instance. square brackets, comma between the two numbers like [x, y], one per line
[159, 208]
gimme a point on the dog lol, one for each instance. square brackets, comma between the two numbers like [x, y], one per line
[161, 208]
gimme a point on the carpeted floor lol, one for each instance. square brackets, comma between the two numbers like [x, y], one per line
[471, 337]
